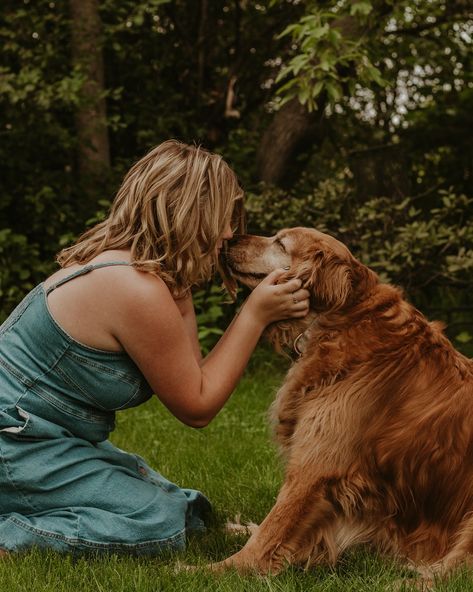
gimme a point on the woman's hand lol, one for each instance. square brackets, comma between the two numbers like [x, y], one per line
[270, 301]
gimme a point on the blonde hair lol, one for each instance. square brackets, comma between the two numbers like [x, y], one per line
[170, 211]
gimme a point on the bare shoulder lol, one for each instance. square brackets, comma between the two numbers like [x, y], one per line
[112, 284]
[129, 296]
[140, 291]
[96, 307]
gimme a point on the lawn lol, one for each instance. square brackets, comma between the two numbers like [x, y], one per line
[234, 462]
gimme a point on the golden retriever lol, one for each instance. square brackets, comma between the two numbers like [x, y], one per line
[374, 419]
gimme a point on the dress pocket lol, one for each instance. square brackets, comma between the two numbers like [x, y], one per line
[109, 386]
[14, 420]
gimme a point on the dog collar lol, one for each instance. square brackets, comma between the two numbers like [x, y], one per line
[296, 346]
[298, 343]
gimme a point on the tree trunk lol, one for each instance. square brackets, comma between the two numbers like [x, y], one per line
[284, 134]
[90, 119]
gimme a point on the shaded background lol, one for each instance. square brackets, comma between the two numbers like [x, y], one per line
[352, 116]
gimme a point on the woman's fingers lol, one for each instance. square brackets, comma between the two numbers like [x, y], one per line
[300, 295]
[299, 303]
[273, 277]
[297, 297]
[291, 286]
[275, 299]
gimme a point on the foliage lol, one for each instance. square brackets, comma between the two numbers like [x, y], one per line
[326, 57]
[349, 51]
[209, 304]
[38, 94]
[17, 260]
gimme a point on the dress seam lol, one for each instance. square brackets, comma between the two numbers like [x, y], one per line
[89, 416]
[11, 480]
[119, 375]
[96, 544]
[68, 380]
[28, 382]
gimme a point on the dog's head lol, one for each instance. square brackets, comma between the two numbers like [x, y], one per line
[325, 266]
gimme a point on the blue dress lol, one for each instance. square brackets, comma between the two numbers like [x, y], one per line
[62, 484]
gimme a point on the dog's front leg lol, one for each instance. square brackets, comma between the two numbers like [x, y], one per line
[293, 528]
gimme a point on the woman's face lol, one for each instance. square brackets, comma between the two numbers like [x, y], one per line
[227, 234]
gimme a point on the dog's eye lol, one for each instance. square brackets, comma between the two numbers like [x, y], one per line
[280, 244]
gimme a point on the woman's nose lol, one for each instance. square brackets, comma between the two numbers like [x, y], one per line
[227, 233]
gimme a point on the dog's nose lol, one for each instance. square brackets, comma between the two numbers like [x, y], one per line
[232, 242]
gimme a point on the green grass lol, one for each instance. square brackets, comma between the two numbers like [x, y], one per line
[235, 464]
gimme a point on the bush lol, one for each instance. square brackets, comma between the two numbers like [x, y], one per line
[20, 265]
[416, 245]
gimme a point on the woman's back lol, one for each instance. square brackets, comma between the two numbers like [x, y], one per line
[62, 485]
[45, 371]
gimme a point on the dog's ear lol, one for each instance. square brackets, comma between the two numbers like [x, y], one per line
[329, 279]
[363, 280]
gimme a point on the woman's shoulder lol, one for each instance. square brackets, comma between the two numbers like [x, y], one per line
[112, 269]
[90, 301]
[127, 286]
[112, 256]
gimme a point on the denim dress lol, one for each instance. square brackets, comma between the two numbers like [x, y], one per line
[63, 486]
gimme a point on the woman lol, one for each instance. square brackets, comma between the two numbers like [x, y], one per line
[115, 324]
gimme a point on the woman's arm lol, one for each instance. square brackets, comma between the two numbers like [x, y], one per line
[153, 332]
[187, 310]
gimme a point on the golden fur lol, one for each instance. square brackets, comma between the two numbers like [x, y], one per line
[375, 420]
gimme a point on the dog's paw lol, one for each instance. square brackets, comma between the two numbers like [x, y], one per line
[179, 567]
[236, 527]
[421, 579]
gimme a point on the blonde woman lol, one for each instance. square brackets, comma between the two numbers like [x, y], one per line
[113, 326]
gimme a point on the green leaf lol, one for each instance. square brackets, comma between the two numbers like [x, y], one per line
[319, 32]
[363, 8]
[375, 75]
[303, 95]
[288, 30]
[464, 337]
[317, 88]
[334, 91]
[326, 61]
[288, 86]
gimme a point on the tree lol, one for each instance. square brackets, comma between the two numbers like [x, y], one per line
[359, 52]
[90, 117]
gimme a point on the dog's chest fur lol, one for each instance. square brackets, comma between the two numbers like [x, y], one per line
[315, 403]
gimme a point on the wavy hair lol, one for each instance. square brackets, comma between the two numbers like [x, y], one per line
[170, 212]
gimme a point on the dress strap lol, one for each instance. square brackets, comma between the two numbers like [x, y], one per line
[83, 271]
